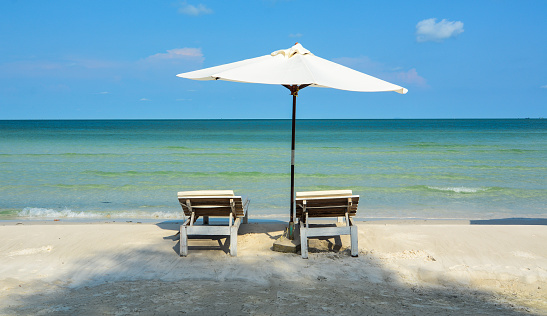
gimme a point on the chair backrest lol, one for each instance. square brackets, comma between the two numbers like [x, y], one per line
[333, 203]
[210, 203]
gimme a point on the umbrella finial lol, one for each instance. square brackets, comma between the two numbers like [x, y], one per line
[297, 49]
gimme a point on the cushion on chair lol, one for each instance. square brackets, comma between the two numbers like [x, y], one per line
[206, 193]
[318, 194]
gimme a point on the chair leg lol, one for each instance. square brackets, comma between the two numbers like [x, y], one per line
[246, 208]
[354, 241]
[303, 240]
[233, 237]
[233, 241]
[183, 252]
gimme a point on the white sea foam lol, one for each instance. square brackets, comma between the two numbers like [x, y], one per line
[458, 189]
[35, 212]
[49, 213]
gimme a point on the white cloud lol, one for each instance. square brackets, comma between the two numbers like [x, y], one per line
[177, 57]
[396, 75]
[430, 31]
[411, 77]
[103, 92]
[189, 9]
[56, 65]
[91, 63]
[178, 54]
[362, 63]
[68, 67]
[544, 87]
[144, 99]
[295, 35]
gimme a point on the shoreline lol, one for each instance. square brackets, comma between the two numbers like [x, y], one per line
[360, 220]
[416, 266]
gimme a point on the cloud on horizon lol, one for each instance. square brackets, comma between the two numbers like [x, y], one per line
[189, 9]
[391, 74]
[178, 54]
[76, 67]
[411, 77]
[61, 67]
[429, 30]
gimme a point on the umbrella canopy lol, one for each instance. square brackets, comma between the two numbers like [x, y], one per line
[295, 68]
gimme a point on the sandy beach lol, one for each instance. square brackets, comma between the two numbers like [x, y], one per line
[404, 267]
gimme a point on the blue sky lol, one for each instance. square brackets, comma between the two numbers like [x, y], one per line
[119, 59]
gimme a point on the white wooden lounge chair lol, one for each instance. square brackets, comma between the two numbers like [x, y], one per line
[218, 203]
[339, 203]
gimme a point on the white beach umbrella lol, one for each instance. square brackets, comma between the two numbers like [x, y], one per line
[295, 68]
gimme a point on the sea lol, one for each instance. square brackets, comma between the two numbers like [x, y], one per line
[401, 169]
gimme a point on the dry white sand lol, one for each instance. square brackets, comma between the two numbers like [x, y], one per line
[418, 268]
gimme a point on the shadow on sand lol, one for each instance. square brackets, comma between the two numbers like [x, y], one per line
[271, 230]
[170, 285]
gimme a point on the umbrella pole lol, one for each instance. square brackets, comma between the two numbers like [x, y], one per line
[294, 92]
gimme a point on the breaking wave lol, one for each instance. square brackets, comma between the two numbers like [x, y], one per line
[36, 212]
[458, 189]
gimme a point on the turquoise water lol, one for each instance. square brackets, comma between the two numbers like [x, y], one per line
[476, 169]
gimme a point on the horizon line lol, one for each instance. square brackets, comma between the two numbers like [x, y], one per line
[263, 119]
